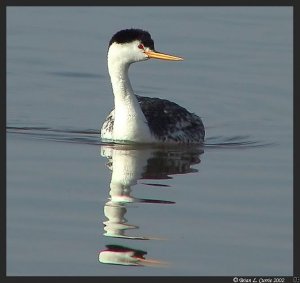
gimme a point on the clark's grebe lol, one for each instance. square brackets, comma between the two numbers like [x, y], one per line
[143, 119]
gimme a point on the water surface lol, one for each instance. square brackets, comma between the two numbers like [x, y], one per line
[225, 209]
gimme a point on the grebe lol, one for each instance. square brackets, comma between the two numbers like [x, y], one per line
[143, 119]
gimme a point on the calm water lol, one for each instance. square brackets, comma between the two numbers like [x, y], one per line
[76, 207]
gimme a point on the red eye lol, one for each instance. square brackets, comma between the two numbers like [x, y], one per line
[141, 46]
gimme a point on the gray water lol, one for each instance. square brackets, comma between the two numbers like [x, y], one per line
[224, 211]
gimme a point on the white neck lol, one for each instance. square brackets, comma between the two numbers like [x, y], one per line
[130, 123]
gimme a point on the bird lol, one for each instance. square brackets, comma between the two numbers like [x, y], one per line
[140, 119]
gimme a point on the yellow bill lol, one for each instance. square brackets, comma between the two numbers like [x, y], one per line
[162, 56]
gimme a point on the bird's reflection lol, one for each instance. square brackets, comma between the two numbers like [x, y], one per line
[130, 163]
[115, 254]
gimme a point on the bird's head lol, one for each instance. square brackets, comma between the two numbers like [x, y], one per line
[134, 45]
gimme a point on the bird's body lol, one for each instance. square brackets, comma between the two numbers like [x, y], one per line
[144, 119]
[167, 121]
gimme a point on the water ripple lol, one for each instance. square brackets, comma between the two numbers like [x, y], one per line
[92, 137]
[235, 142]
[86, 136]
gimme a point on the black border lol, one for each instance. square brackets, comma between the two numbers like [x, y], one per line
[149, 3]
[296, 163]
[7, 3]
[3, 136]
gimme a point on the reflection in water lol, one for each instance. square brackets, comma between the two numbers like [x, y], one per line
[115, 254]
[129, 164]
